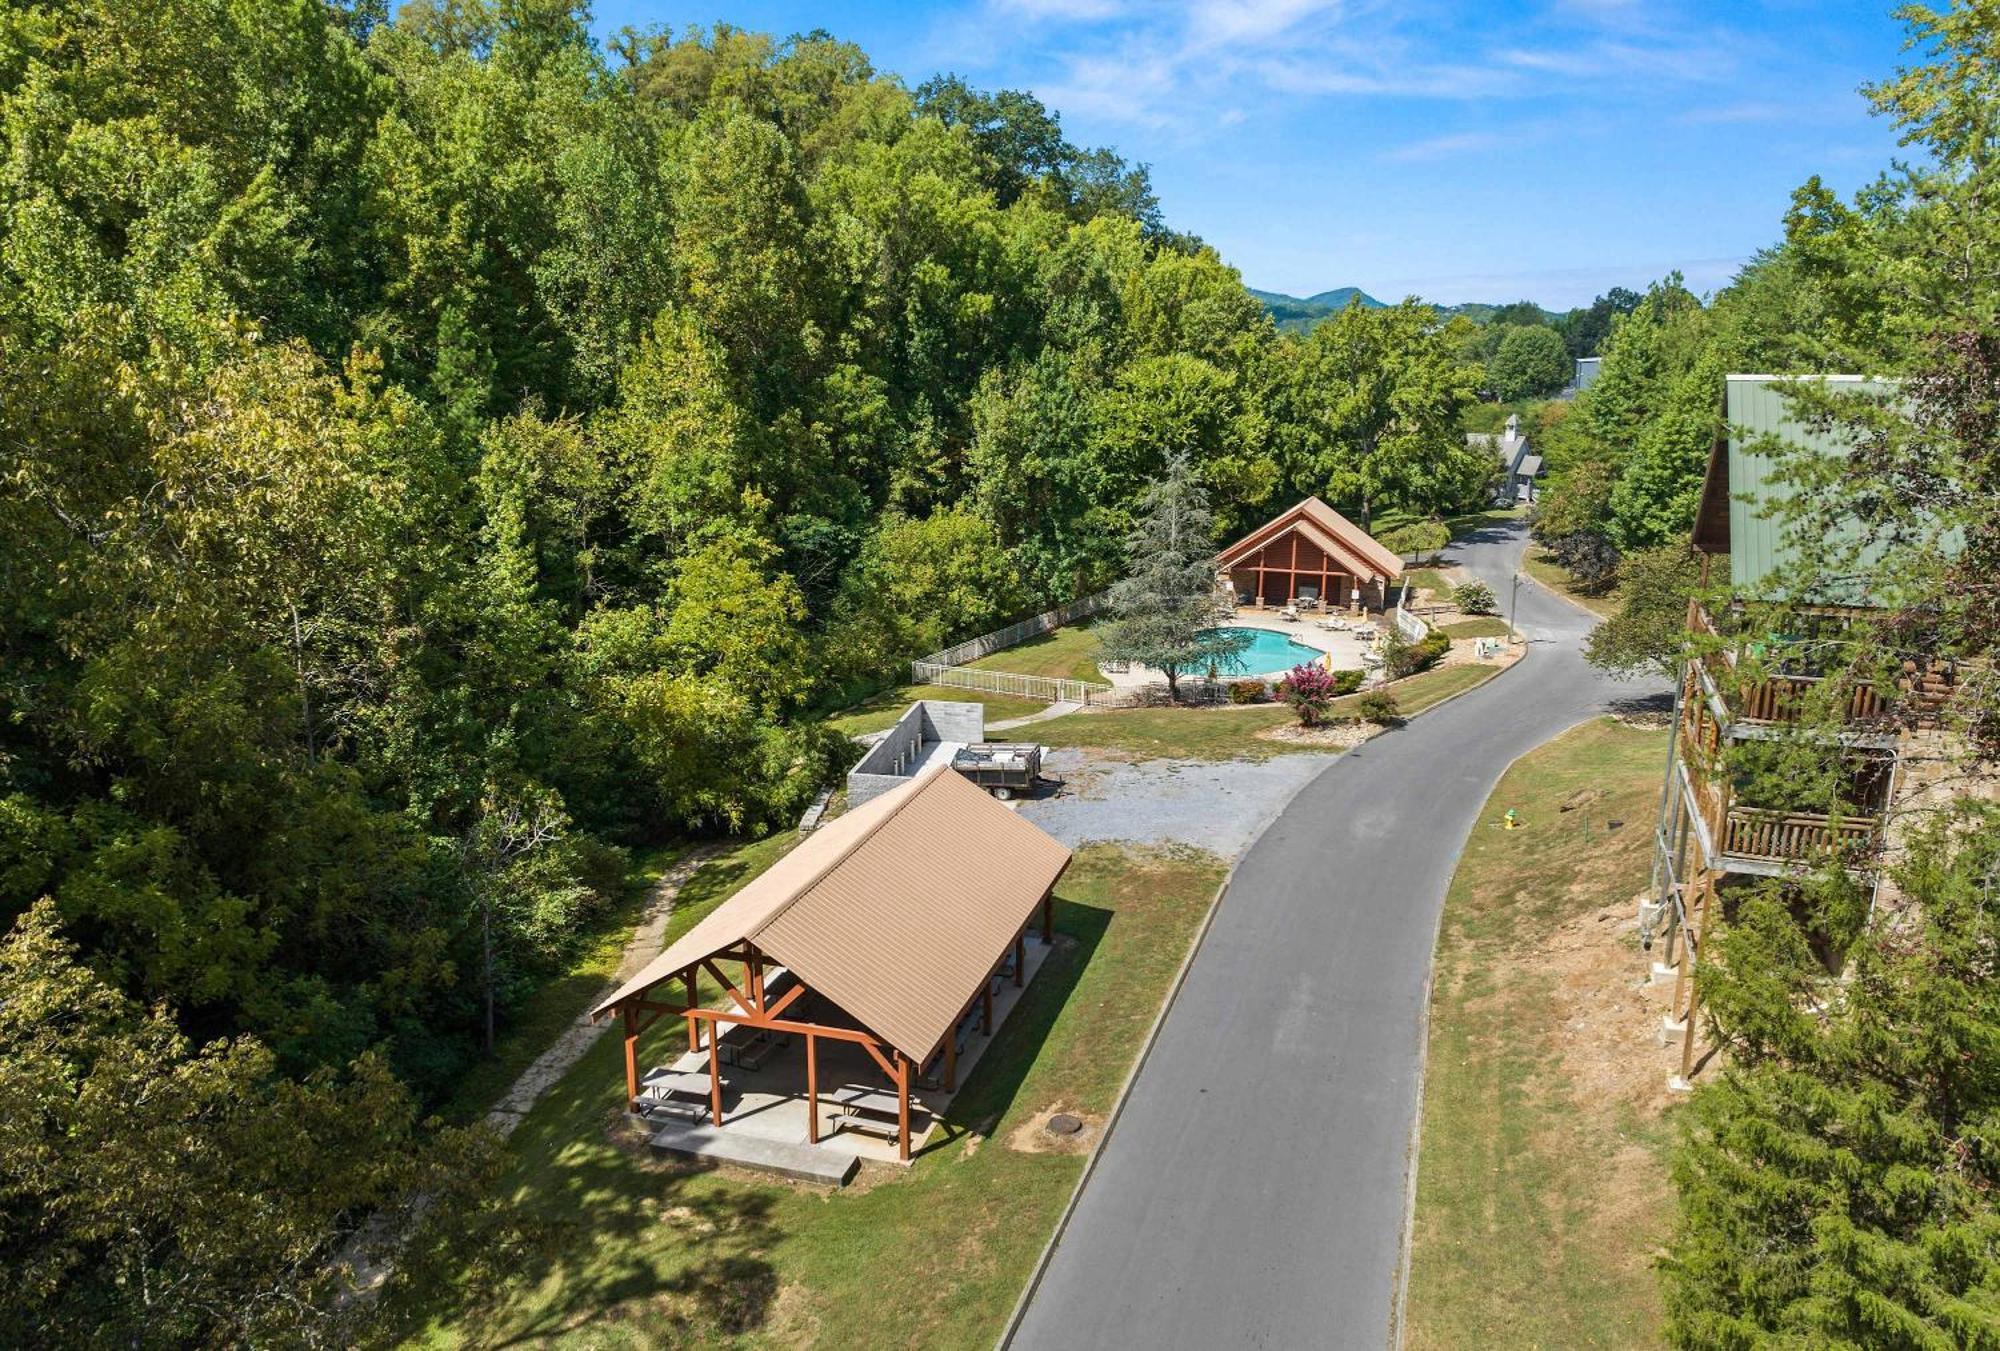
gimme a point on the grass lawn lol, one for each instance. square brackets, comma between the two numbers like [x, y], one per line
[880, 712]
[1427, 579]
[1477, 626]
[1541, 1196]
[633, 1250]
[1551, 574]
[1230, 733]
[1477, 520]
[1068, 653]
[535, 1026]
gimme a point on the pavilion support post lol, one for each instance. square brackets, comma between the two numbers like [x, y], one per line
[1292, 579]
[1021, 958]
[951, 1060]
[1049, 916]
[714, 1080]
[902, 1107]
[986, 1007]
[694, 1024]
[630, 1016]
[812, 1089]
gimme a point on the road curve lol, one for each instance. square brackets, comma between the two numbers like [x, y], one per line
[1253, 1190]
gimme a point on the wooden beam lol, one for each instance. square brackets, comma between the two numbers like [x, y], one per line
[722, 980]
[902, 1107]
[951, 1059]
[694, 1027]
[812, 1088]
[1049, 916]
[791, 996]
[631, 1017]
[714, 1079]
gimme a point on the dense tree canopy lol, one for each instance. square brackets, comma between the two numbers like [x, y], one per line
[443, 450]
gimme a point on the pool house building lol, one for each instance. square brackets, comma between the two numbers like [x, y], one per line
[1311, 554]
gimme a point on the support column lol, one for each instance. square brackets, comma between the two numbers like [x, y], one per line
[630, 1017]
[986, 1006]
[714, 1079]
[1020, 959]
[902, 1107]
[694, 1024]
[951, 1057]
[812, 1089]
[1049, 916]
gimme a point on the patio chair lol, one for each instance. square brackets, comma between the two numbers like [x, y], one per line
[1290, 614]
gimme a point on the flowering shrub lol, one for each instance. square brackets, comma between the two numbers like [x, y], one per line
[1248, 692]
[1310, 692]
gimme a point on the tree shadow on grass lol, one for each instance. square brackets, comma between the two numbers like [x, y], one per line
[1018, 1043]
[605, 1231]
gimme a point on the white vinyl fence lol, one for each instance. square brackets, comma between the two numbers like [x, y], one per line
[986, 644]
[948, 667]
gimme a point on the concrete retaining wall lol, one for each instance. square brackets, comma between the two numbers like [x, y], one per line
[891, 760]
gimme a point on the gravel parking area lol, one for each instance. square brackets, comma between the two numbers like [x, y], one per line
[1220, 807]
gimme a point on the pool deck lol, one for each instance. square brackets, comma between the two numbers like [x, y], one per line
[1342, 644]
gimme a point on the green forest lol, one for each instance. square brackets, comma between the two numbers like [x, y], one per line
[445, 452]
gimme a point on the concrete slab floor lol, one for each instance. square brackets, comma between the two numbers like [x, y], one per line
[770, 1102]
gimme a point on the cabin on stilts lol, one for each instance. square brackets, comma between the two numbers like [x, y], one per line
[890, 931]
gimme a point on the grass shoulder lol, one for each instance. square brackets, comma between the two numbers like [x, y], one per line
[1542, 1190]
[632, 1249]
[1230, 732]
[1545, 570]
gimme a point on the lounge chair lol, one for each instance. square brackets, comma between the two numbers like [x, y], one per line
[1290, 614]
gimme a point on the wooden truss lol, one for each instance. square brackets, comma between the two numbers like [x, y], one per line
[750, 1005]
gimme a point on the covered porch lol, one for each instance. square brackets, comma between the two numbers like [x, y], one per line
[1310, 554]
[834, 1005]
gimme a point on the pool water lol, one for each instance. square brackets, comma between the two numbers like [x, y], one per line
[1269, 653]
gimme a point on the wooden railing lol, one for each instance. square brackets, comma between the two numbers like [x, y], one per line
[1793, 837]
[1781, 699]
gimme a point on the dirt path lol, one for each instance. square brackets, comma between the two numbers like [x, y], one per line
[647, 940]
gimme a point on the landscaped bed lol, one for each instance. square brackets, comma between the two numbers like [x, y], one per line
[1230, 732]
[1542, 1190]
[637, 1250]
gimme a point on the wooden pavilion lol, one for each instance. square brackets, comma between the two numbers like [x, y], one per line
[1310, 552]
[890, 924]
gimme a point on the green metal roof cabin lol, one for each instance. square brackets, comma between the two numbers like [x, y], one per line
[1742, 496]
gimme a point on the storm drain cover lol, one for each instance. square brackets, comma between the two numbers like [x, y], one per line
[1062, 1123]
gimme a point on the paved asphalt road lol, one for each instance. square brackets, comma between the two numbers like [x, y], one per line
[1253, 1191]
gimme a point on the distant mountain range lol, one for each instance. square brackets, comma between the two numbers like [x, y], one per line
[1299, 315]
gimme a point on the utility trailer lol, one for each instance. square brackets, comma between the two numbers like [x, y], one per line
[1001, 768]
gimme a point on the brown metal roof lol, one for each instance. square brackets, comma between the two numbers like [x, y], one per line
[896, 911]
[1335, 533]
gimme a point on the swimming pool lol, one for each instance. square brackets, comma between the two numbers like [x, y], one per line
[1269, 653]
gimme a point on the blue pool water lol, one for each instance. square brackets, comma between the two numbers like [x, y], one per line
[1270, 653]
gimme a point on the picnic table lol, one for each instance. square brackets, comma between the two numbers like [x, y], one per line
[668, 1092]
[869, 1109]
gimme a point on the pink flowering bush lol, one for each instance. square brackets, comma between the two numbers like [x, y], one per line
[1310, 692]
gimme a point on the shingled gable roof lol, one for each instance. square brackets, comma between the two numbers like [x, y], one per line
[896, 911]
[1327, 528]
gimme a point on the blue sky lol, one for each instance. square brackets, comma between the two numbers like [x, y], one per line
[1483, 150]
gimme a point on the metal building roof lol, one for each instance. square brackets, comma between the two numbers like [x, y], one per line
[896, 911]
[1761, 428]
[1326, 528]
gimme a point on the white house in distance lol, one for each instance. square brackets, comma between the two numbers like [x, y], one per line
[1518, 466]
[1586, 373]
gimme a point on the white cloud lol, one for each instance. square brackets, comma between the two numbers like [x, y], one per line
[1182, 63]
